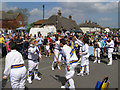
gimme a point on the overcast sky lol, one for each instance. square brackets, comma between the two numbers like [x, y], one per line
[104, 13]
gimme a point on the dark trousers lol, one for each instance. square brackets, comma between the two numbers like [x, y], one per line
[4, 52]
[102, 53]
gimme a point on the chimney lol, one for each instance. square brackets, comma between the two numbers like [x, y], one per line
[85, 21]
[70, 17]
[89, 21]
[96, 23]
[59, 13]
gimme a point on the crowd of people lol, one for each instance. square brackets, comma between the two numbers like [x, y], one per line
[48, 42]
[68, 48]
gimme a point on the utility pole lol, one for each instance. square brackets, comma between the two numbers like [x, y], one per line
[43, 12]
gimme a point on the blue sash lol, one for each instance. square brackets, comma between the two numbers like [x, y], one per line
[72, 52]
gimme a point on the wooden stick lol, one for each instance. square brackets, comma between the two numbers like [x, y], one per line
[57, 60]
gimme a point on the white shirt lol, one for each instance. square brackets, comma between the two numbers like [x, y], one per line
[33, 54]
[47, 47]
[66, 50]
[99, 46]
[57, 46]
[111, 45]
[85, 49]
[80, 42]
[12, 58]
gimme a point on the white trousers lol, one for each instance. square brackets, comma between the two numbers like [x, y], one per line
[97, 53]
[57, 55]
[84, 61]
[110, 57]
[18, 78]
[69, 75]
[84, 65]
[32, 64]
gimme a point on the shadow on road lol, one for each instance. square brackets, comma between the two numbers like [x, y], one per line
[103, 61]
[91, 58]
[77, 69]
[59, 79]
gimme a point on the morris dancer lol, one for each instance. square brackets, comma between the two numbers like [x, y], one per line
[71, 61]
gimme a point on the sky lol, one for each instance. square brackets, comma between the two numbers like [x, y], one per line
[59, 0]
[104, 13]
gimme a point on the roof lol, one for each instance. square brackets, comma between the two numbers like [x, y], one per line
[92, 25]
[39, 22]
[4, 15]
[61, 22]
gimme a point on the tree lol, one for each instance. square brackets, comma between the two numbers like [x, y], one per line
[32, 24]
[25, 13]
[10, 12]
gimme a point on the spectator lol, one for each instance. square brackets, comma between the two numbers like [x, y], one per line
[25, 47]
[40, 42]
[117, 42]
[102, 47]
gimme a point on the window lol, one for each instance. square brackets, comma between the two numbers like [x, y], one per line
[20, 22]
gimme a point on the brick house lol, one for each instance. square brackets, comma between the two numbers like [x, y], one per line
[11, 21]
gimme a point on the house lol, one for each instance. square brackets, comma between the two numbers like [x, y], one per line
[11, 21]
[39, 23]
[61, 23]
[90, 26]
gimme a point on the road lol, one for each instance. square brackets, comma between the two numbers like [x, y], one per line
[54, 79]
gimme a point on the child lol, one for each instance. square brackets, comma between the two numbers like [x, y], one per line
[47, 50]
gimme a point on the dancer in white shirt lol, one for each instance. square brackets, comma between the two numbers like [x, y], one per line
[14, 66]
[33, 61]
[71, 61]
[84, 58]
[57, 52]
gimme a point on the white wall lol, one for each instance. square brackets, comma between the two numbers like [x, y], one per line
[44, 31]
[85, 29]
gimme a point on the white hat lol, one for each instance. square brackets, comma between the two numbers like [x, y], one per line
[2, 34]
[31, 45]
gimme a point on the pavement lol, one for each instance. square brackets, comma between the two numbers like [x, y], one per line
[54, 79]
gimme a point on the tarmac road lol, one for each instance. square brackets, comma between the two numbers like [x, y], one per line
[54, 79]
